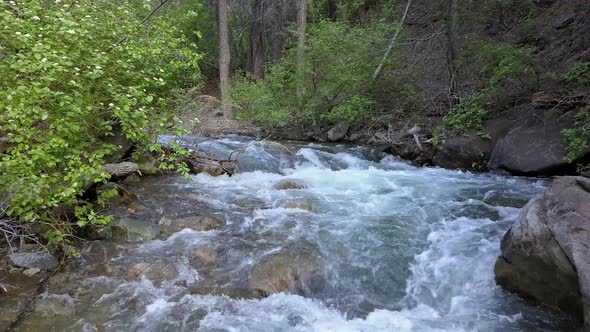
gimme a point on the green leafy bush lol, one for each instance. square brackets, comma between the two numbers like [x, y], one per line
[339, 63]
[469, 114]
[73, 74]
[503, 67]
[577, 139]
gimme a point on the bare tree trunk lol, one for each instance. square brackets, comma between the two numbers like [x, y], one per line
[392, 42]
[453, 92]
[332, 9]
[224, 53]
[256, 40]
[302, 25]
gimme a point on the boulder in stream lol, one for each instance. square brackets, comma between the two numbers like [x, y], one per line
[338, 132]
[289, 184]
[546, 254]
[197, 223]
[463, 152]
[297, 273]
[131, 230]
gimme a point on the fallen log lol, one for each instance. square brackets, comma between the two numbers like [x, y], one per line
[212, 166]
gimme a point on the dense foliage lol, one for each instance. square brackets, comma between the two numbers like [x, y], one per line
[503, 67]
[73, 75]
[339, 64]
[578, 138]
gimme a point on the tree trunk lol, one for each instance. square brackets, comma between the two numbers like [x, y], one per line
[453, 92]
[392, 42]
[224, 52]
[256, 40]
[332, 9]
[301, 24]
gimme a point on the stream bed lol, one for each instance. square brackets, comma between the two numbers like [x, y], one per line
[311, 238]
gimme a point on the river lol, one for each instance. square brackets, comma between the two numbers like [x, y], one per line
[375, 244]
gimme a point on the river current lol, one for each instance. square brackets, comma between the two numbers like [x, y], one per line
[396, 248]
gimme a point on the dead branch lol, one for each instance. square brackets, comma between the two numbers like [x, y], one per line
[213, 166]
[125, 37]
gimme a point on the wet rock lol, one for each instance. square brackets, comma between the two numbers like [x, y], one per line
[464, 152]
[272, 146]
[137, 270]
[338, 132]
[121, 170]
[205, 255]
[265, 156]
[196, 223]
[234, 293]
[301, 205]
[16, 289]
[121, 142]
[148, 165]
[546, 254]
[98, 252]
[297, 273]
[41, 260]
[31, 272]
[55, 305]
[156, 272]
[289, 184]
[408, 150]
[131, 230]
[123, 197]
[133, 178]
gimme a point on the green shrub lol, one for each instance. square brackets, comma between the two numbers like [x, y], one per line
[579, 74]
[503, 67]
[577, 139]
[339, 63]
[351, 110]
[72, 75]
[469, 114]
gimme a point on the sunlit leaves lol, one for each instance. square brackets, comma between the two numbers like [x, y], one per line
[67, 85]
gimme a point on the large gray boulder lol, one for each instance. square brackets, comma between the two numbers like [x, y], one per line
[534, 145]
[293, 272]
[338, 132]
[39, 259]
[546, 254]
[464, 152]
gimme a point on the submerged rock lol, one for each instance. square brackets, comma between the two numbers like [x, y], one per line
[196, 223]
[131, 230]
[98, 252]
[546, 254]
[296, 273]
[234, 293]
[156, 272]
[205, 255]
[301, 205]
[289, 184]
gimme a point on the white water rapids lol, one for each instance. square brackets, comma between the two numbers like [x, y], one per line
[401, 248]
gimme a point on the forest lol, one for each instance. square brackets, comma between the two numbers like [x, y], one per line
[90, 90]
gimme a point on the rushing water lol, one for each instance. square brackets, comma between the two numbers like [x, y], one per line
[399, 248]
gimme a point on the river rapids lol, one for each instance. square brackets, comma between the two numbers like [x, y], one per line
[393, 247]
